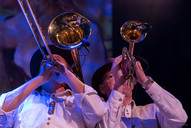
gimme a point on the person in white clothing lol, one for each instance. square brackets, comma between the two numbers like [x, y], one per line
[122, 112]
[53, 98]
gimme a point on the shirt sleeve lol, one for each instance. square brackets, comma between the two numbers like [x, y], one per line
[114, 104]
[93, 108]
[6, 118]
[170, 111]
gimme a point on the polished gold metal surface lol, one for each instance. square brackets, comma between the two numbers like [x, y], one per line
[132, 31]
[68, 30]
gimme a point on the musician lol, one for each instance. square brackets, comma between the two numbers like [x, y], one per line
[122, 112]
[16, 36]
[62, 102]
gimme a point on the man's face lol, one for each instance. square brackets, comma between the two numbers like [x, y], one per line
[58, 79]
[60, 59]
[109, 82]
[58, 76]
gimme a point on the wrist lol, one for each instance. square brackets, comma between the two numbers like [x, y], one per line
[40, 79]
[118, 88]
[143, 80]
[147, 84]
[117, 75]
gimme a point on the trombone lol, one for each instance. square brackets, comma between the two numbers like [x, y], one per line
[68, 31]
[132, 32]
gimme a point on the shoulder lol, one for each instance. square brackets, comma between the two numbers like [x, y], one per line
[149, 109]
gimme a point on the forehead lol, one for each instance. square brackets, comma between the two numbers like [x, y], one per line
[106, 74]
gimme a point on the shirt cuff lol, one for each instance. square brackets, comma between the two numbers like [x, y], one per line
[79, 97]
[2, 98]
[155, 91]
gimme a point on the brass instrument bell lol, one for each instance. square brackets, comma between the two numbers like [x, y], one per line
[68, 30]
[133, 31]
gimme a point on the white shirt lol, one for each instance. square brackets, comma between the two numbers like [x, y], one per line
[165, 112]
[70, 111]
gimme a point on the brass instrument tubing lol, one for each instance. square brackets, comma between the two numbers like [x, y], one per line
[31, 27]
[40, 31]
[131, 48]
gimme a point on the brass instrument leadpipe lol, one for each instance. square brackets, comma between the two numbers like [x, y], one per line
[76, 58]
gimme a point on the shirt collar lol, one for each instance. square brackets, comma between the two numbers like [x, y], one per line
[66, 93]
[132, 104]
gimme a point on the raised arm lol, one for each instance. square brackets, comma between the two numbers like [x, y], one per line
[14, 98]
[171, 112]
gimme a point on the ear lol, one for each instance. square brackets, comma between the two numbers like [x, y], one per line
[102, 88]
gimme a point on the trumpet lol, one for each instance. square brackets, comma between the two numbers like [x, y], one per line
[68, 31]
[132, 32]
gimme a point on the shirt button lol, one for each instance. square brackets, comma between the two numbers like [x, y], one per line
[49, 118]
[47, 123]
[151, 94]
[120, 99]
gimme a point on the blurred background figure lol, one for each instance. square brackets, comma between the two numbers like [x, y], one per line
[18, 44]
[10, 74]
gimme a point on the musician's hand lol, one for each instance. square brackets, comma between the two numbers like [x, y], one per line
[61, 75]
[46, 70]
[116, 70]
[118, 74]
[140, 75]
